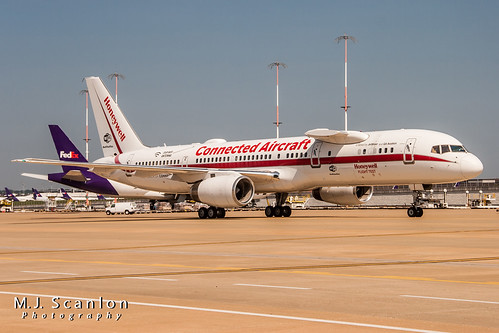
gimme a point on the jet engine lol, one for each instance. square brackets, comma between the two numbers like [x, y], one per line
[224, 191]
[347, 195]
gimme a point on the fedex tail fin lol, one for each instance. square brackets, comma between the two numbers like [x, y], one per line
[66, 150]
[65, 194]
[36, 194]
[115, 132]
[10, 195]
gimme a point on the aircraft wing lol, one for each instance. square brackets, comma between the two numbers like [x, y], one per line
[255, 175]
[337, 137]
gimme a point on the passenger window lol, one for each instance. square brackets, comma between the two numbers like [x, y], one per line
[445, 149]
[391, 150]
[386, 150]
[380, 150]
[363, 151]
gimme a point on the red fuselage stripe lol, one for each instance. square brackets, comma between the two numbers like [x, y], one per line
[306, 161]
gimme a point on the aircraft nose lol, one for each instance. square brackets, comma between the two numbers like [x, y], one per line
[471, 166]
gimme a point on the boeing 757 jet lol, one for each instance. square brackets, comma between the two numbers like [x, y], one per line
[337, 166]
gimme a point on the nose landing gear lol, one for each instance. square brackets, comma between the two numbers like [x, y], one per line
[415, 210]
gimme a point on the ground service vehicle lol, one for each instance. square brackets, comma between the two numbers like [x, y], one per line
[122, 208]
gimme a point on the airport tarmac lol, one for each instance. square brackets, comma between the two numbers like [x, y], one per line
[318, 271]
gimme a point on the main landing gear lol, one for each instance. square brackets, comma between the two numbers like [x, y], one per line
[415, 210]
[279, 209]
[211, 212]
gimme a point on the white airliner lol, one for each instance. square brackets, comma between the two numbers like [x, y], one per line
[338, 166]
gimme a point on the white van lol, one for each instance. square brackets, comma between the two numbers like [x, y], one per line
[122, 207]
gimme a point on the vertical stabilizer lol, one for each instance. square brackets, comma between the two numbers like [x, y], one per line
[115, 133]
[36, 194]
[10, 195]
[65, 194]
[65, 148]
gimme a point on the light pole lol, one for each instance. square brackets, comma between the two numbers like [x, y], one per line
[85, 91]
[338, 39]
[116, 76]
[271, 66]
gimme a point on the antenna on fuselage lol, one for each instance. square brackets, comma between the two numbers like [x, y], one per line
[338, 40]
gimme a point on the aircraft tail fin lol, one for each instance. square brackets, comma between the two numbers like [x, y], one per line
[65, 148]
[115, 132]
[100, 197]
[10, 195]
[36, 194]
[65, 194]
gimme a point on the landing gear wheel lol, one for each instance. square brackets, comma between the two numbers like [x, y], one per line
[212, 213]
[202, 213]
[220, 213]
[419, 211]
[412, 212]
[286, 211]
[278, 211]
[269, 211]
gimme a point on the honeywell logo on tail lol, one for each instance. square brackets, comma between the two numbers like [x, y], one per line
[71, 154]
[114, 121]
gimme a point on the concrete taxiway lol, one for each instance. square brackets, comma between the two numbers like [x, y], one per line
[318, 271]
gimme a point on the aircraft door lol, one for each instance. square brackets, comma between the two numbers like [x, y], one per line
[185, 161]
[130, 159]
[408, 155]
[315, 161]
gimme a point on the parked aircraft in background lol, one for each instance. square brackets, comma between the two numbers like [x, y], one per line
[10, 196]
[80, 196]
[83, 179]
[338, 166]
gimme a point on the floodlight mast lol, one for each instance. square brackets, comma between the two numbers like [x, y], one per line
[116, 76]
[85, 91]
[338, 40]
[271, 66]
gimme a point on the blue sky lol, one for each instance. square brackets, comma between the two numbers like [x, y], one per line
[198, 69]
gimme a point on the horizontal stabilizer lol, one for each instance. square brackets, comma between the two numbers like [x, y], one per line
[337, 137]
[35, 175]
[75, 175]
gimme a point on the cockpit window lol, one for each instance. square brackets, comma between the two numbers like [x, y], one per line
[442, 149]
[458, 149]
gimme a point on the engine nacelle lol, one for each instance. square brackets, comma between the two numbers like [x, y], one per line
[347, 195]
[225, 191]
